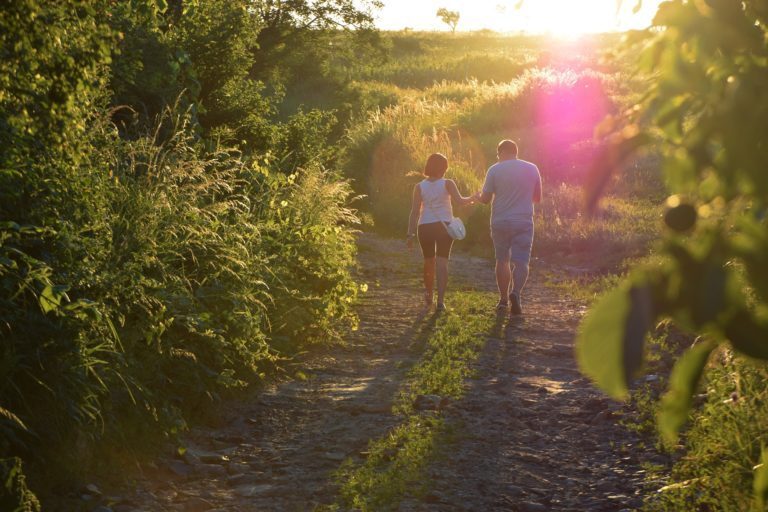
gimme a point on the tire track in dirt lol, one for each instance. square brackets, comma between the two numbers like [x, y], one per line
[532, 433]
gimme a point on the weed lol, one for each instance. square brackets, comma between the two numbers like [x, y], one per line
[396, 463]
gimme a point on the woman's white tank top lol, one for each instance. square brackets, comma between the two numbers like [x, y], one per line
[436, 202]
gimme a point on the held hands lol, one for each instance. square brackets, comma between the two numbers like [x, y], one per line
[409, 242]
[473, 199]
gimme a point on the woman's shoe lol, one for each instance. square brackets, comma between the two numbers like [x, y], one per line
[502, 306]
[441, 307]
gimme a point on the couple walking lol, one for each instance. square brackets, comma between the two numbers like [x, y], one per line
[511, 186]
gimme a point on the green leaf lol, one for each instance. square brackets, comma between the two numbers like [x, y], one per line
[748, 335]
[49, 299]
[678, 399]
[609, 346]
[711, 299]
[760, 482]
[636, 328]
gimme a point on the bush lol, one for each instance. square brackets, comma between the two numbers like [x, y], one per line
[145, 272]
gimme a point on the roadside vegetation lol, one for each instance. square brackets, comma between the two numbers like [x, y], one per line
[166, 238]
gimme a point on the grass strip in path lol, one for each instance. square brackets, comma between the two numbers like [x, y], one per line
[395, 467]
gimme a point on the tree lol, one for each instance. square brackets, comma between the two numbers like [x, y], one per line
[705, 110]
[290, 28]
[450, 18]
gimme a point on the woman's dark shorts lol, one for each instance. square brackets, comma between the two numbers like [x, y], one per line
[434, 238]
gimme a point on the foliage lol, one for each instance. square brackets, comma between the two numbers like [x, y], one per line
[42, 97]
[450, 18]
[14, 494]
[705, 109]
[305, 48]
[150, 69]
[724, 443]
[220, 38]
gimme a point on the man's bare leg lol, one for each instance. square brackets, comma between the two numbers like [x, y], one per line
[503, 279]
[519, 277]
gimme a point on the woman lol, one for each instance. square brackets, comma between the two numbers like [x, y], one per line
[430, 207]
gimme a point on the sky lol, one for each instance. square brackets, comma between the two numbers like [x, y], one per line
[556, 17]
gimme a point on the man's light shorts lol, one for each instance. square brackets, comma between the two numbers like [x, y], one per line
[512, 240]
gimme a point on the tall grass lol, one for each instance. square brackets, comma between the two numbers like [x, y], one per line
[186, 273]
[419, 59]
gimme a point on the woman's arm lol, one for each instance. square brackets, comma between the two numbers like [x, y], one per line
[453, 190]
[415, 211]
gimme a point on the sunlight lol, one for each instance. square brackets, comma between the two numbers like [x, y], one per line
[563, 19]
[566, 19]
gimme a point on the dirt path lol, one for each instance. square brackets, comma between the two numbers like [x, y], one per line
[532, 434]
[535, 434]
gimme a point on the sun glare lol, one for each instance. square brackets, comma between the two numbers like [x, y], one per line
[568, 19]
[564, 19]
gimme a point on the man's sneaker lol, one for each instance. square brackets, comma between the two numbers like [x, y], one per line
[514, 301]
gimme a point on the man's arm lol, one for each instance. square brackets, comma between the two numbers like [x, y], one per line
[484, 197]
[537, 191]
[486, 194]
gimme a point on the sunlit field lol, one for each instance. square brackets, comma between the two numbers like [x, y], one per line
[550, 101]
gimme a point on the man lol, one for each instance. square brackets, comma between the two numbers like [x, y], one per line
[513, 185]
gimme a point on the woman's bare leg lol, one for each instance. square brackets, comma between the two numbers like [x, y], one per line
[442, 278]
[429, 279]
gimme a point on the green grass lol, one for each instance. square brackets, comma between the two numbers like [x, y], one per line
[396, 463]
[722, 446]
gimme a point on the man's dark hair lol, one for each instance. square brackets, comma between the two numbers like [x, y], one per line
[507, 147]
[436, 165]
